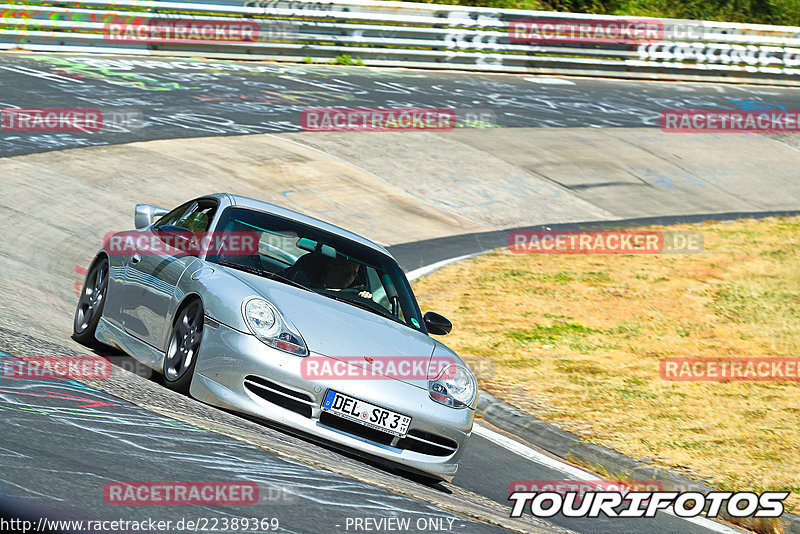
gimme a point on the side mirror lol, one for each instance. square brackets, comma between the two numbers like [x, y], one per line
[145, 215]
[437, 324]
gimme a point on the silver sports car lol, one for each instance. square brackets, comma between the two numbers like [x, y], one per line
[268, 312]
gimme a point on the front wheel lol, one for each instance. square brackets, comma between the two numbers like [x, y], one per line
[90, 304]
[183, 346]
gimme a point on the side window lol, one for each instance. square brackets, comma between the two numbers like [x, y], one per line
[380, 295]
[171, 217]
[198, 218]
[195, 216]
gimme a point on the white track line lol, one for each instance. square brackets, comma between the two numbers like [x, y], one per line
[531, 454]
[428, 269]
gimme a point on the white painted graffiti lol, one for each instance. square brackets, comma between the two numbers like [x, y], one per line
[207, 124]
[471, 41]
[44, 142]
[722, 53]
[478, 18]
[288, 4]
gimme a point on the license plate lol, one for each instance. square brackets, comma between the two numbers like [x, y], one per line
[365, 413]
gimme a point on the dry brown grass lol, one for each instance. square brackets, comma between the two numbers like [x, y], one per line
[577, 340]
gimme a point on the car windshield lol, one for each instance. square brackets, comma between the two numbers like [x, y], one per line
[306, 256]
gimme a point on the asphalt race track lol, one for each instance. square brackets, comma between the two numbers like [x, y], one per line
[62, 442]
[146, 99]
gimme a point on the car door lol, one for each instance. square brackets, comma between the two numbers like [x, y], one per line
[127, 289]
[152, 275]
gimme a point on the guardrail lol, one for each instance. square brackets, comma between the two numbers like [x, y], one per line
[403, 34]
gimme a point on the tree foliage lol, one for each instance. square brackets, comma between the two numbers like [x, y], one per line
[779, 12]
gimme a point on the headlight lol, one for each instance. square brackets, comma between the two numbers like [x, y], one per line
[455, 387]
[269, 326]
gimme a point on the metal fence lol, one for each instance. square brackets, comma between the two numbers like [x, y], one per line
[404, 34]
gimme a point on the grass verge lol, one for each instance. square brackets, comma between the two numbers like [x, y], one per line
[577, 340]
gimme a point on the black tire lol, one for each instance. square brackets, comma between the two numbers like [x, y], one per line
[183, 347]
[90, 304]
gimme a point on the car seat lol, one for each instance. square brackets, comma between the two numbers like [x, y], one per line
[309, 270]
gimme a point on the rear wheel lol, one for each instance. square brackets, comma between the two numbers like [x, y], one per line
[90, 304]
[183, 346]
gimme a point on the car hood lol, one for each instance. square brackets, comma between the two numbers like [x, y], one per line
[342, 331]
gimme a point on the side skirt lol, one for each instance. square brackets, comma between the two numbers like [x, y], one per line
[116, 337]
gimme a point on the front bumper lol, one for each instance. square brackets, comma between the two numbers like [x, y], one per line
[236, 371]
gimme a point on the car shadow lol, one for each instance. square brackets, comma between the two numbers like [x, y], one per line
[122, 360]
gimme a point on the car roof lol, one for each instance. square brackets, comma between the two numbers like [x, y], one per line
[260, 205]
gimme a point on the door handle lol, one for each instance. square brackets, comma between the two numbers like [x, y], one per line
[136, 258]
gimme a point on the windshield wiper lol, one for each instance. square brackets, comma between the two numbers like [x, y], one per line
[262, 272]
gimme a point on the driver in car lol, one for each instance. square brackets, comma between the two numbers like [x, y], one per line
[316, 270]
[340, 273]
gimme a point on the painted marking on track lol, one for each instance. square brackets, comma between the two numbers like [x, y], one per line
[428, 269]
[40, 74]
[550, 81]
[88, 403]
[531, 454]
[578, 474]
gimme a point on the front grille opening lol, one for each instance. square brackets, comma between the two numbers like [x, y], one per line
[276, 394]
[416, 440]
[427, 443]
[355, 429]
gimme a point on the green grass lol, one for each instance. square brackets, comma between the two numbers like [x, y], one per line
[553, 334]
[344, 59]
[578, 366]
[522, 363]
